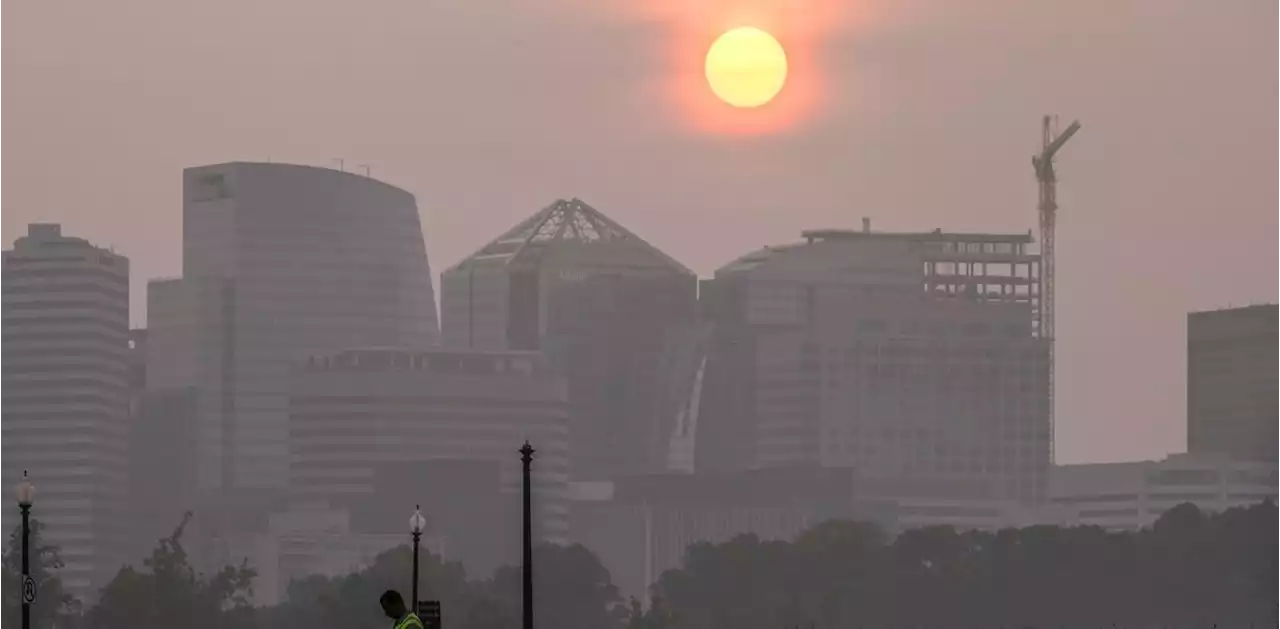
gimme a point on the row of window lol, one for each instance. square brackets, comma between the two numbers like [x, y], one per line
[461, 364]
[20, 262]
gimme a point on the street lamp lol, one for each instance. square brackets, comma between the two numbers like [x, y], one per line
[416, 524]
[26, 495]
[526, 459]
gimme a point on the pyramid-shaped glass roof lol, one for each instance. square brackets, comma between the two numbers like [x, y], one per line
[571, 230]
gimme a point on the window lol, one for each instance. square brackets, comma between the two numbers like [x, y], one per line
[1184, 477]
[872, 326]
[210, 188]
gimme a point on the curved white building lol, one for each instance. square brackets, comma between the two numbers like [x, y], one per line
[279, 262]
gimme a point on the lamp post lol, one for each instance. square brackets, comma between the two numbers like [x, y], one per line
[416, 524]
[526, 458]
[26, 494]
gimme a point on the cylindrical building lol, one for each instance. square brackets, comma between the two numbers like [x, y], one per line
[66, 397]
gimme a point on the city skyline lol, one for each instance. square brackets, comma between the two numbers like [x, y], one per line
[810, 312]
[1066, 428]
[929, 119]
[964, 273]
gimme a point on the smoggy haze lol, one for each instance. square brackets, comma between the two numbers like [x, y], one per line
[488, 110]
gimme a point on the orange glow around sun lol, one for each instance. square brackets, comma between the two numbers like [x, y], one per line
[799, 28]
[805, 29]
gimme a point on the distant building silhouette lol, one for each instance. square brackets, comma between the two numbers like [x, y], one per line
[902, 355]
[316, 540]
[1131, 495]
[66, 396]
[279, 261]
[1231, 382]
[643, 526]
[373, 432]
[606, 307]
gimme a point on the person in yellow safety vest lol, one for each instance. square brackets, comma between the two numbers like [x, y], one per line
[393, 604]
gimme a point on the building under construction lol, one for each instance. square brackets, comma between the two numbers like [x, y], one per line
[913, 356]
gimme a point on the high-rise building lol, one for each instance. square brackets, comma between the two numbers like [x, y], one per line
[606, 307]
[901, 355]
[190, 363]
[1231, 382]
[279, 262]
[66, 396]
[373, 432]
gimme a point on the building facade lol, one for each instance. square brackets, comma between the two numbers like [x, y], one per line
[279, 262]
[1132, 495]
[376, 432]
[1231, 382]
[607, 308]
[67, 396]
[165, 452]
[903, 355]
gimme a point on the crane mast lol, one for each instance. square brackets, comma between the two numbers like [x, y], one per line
[1048, 209]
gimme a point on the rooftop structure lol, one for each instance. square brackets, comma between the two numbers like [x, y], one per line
[973, 266]
[607, 309]
[570, 232]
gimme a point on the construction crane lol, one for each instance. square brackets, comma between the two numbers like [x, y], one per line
[1043, 163]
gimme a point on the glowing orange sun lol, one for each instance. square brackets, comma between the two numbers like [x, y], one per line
[746, 67]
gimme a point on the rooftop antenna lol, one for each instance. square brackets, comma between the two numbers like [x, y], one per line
[1051, 143]
[366, 168]
[342, 164]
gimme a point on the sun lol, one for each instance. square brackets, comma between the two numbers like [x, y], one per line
[746, 67]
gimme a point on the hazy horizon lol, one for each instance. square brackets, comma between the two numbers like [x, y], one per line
[924, 115]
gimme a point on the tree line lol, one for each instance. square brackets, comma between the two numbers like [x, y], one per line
[165, 591]
[1190, 569]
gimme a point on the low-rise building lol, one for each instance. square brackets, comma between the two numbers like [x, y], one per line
[309, 541]
[642, 526]
[1131, 495]
[375, 432]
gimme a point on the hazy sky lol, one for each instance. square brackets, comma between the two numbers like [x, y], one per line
[916, 113]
